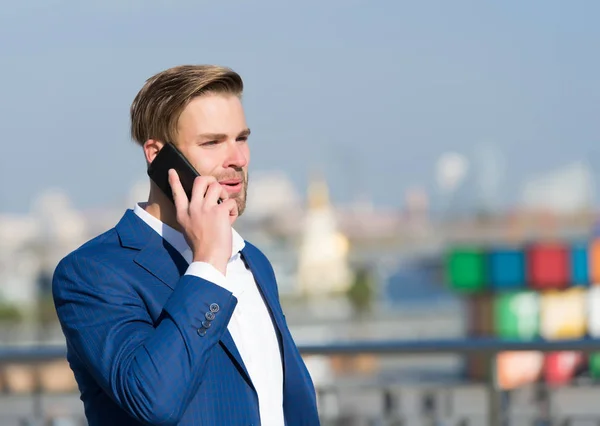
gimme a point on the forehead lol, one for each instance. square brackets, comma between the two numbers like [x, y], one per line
[212, 113]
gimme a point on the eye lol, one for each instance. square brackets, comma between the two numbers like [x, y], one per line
[242, 139]
[210, 143]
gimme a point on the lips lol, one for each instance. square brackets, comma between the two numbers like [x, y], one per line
[232, 186]
[231, 182]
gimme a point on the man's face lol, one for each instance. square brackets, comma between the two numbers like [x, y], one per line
[213, 135]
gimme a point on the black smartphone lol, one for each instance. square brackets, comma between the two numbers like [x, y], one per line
[169, 157]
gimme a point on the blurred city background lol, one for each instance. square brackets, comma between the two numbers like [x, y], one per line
[421, 171]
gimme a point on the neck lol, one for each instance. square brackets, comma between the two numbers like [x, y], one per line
[161, 207]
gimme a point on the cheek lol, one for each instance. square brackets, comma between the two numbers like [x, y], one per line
[204, 161]
[246, 151]
[204, 166]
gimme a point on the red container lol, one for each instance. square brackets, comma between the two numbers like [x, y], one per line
[561, 367]
[548, 266]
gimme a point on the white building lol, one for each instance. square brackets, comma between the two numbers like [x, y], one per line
[568, 189]
[322, 260]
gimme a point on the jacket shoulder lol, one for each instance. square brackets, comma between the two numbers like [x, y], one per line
[101, 252]
[98, 246]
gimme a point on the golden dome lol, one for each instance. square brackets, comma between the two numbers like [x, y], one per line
[318, 193]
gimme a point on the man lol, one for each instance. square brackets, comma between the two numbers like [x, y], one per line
[171, 318]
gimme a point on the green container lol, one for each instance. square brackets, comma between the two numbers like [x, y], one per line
[517, 315]
[594, 365]
[465, 270]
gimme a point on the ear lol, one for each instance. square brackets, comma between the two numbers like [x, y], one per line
[151, 148]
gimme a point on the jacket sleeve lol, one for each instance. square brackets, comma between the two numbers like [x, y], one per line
[151, 370]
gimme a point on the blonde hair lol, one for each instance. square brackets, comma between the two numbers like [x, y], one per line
[156, 108]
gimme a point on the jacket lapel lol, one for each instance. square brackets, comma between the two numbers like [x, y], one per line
[162, 260]
[155, 255]
[230, 347]
[270, 297]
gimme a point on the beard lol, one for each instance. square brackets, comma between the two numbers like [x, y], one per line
[240, 197]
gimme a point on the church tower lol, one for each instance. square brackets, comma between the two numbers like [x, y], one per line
[322, 265]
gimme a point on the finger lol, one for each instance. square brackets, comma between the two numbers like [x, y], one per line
[179, 196]
[212, 194]
[231, 206]
[224, 194]
[199, 189]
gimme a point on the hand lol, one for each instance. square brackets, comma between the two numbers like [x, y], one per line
[206, 224]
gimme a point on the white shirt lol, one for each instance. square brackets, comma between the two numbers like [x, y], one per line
[250, 326]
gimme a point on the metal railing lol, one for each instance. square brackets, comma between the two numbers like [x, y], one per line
[491, 347]
[481, 346]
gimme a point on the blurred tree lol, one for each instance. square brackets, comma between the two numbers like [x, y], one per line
[46, 314]
[361, 293]
[10, 313]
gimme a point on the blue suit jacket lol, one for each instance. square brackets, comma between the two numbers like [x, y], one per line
[136, 344]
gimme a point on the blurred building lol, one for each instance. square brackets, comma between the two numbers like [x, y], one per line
[322, 258]
[565, 190]
[32, 245]
[270, 194]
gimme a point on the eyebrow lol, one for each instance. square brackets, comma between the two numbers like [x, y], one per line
[221, 136]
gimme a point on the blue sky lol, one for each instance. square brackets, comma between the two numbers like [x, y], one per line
[370, 92]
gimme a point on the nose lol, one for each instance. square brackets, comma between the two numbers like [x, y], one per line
[237, 155]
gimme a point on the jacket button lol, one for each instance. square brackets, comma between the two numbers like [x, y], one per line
[201, 332]
[214, 308]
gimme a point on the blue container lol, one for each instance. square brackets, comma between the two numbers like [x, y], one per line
[507, 269]
[579, 265]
